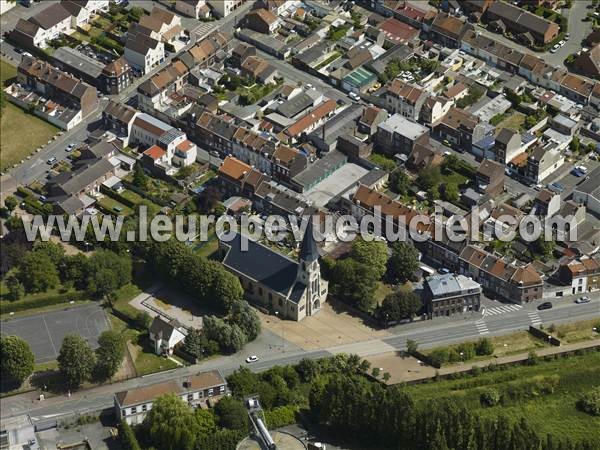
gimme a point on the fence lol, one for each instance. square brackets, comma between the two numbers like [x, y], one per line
[544, 335]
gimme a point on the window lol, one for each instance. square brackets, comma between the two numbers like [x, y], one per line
[190, 397]
[210, 392]
[221, 389]
[133, 410]
[123, 413]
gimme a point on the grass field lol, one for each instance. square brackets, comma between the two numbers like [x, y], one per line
[513, 122]
[577, 331]
[548, 413]
[15, 144]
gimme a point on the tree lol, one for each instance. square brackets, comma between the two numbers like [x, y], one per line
[76, 360]
[194, 343]
[10, 202]
[246, 318]
[107, 272]
[575, 145]
[490, 397]
[171, 424]
[16, 358]
[354, 283]
[74, 270]
[370, 253]
[590, 402]
[403, 263]
[399, 182]
[375, 371]
[399, 305]
[484, 346]
[15, 288]
[37, 273]
[208, 199]
[450, 192]
[110, 352]
[128, 439]
[386, 376]
[411, 346]
[544, 248]
[140, 179]
[230, 337]
[231, 414]
[429, 178]
[55, 252]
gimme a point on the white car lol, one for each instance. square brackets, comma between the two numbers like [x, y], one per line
[555, 48]
[70, 147]
[584, 299]
[582, 169]
[251, 359]
[309, 86]
[561, 43]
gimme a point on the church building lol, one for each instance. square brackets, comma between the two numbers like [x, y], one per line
[292, 289]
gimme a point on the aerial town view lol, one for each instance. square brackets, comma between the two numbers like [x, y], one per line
[300, 224]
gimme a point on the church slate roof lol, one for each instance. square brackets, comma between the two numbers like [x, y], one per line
[309, 251]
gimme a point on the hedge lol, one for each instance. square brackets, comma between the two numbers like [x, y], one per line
[23, 305]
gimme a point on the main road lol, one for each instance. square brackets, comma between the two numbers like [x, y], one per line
[426, 334]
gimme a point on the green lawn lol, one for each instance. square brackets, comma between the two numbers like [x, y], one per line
[577, 331]
[114, 207]
[329, 60]
[548, 413]
[513, 121]
[15, 145]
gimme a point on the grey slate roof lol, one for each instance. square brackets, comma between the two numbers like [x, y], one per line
[295, 105]
[261, 264]
[308, 249]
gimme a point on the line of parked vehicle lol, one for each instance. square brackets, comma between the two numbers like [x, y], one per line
[560, 44]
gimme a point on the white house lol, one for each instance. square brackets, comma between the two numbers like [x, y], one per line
[223, 8]
[193, 8]
[83, 11]
[185, 154]
[199, 391]
[143, 52]
[165, 335]
[54, 21]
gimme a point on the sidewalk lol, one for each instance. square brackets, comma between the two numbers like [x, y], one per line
[408, 369]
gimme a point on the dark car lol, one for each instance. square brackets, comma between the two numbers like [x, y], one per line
[545, 305]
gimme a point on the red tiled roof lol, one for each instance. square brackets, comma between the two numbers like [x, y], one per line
[155, 152]
[312, 117]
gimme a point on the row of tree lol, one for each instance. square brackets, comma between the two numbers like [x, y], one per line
[77, 362]
[363, 411]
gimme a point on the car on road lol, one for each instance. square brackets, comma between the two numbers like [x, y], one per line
[538, 187]
[576, 172]
[447, 153]
[545, 305]
[555, 48]
[443, 271]
[354, 96]
[583, 299]
[70, 147]
[561, 43]
[251, 359]
[309, 86]
[567, 36]
[51, 160]
[556, 187]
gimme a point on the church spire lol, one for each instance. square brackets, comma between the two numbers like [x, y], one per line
[308, 249]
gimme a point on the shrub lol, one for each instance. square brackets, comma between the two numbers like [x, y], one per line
[590, 402]
[280, 416]
[484, 346]
[128, 439]
[489, 397]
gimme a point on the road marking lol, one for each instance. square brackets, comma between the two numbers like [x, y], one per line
[501, 310]
[481, 327]
[49, 336]
[535, 318]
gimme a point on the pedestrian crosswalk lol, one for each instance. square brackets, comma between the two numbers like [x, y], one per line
[535, 318]
[204, 29]
[501, 310]
[482, 327]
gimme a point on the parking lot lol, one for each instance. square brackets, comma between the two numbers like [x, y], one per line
[45, 332]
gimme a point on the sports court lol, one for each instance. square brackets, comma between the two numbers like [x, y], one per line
[45, 332]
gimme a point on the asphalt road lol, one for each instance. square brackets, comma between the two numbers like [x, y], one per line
[426, 334]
